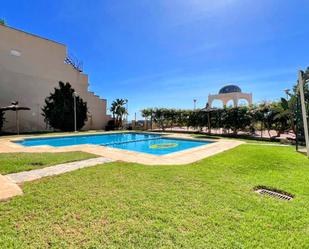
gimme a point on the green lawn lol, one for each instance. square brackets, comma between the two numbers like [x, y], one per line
[247, 140]
[16, 162]
[209, 204]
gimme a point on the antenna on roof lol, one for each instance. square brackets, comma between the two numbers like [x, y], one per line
[2, 22]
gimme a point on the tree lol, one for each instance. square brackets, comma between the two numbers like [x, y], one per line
[2, 119]
[160, 117]
[282, 116]
[236, 118]
[118, 110]
[59, 109]
[261, 115]
[277, 116]
[2, 22]
[148, 113]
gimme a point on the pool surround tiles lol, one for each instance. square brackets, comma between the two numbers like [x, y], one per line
[7, 144]
[145, 143]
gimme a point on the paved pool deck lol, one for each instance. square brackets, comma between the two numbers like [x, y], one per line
[7, 145]
[32, 175]
[8, 188]
[9, 184]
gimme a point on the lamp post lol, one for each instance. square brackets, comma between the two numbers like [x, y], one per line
[194, 104]
[301, 83]
[127, 115]
[287, 92]
[208, 110]
[75, 116]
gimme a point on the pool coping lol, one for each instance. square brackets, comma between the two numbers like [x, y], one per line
[187, 156]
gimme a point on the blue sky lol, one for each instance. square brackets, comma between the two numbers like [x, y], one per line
[165, 53]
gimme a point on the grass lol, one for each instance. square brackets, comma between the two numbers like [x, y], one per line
[240, 138]
[208, 204]
[16, 162]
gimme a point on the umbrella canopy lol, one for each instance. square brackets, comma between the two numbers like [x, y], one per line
[15, 107]
[207, 108]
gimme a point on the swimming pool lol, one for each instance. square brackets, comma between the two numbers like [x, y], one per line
[160, 146]
[153, 144]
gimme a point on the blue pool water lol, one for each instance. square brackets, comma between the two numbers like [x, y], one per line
[160, 146]
[140, 142]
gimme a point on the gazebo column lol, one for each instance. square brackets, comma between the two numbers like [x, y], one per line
[210, 100]
[225, 101]
[235, 101]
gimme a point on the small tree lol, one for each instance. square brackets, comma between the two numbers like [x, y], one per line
[148, 113]
[2, 22]
[282, 116]
[236, 118]
[160, 117]
[59, 109]
[1, 119]
[118, 110]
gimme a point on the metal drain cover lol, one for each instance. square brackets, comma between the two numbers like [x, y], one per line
[272, 193]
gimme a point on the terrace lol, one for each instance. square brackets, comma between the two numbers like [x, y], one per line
[209, 203]
[229, 173]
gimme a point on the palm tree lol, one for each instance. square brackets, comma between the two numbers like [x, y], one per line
[148, 113]
[118, 110]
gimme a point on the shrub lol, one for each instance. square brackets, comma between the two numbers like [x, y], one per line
[111, 125]
[267, 115]
[59, 109]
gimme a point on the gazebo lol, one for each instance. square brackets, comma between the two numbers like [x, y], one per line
[230, 92]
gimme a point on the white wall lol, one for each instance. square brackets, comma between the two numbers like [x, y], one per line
[32, 76]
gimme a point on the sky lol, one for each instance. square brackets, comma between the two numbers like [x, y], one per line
[165, 53]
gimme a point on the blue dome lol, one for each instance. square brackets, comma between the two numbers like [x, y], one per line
[230, 89]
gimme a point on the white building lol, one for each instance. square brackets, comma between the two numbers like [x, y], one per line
[30, 69]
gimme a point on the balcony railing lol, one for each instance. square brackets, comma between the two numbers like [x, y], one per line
[74, 62]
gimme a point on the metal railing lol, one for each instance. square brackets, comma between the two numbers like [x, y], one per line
[74, 62]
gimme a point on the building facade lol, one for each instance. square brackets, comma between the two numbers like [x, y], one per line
[30, 68]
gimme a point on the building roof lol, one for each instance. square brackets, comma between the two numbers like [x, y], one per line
[230, 89]
[30, 34]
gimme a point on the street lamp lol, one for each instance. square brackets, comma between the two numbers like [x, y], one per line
[75, 116]
[194, 103]
[301, 82]
[127, 107]
[287, 92]
[208, 110]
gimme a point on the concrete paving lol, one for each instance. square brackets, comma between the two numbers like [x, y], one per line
[181, 157]
[8, 183]
[32, 175]
[8, 189]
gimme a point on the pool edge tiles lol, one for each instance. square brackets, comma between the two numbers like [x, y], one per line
[88, 139]
[154, 144]
[178, 158]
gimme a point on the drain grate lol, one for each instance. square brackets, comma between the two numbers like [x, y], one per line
[274, 193]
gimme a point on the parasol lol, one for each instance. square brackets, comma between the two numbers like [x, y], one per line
[16, 108]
